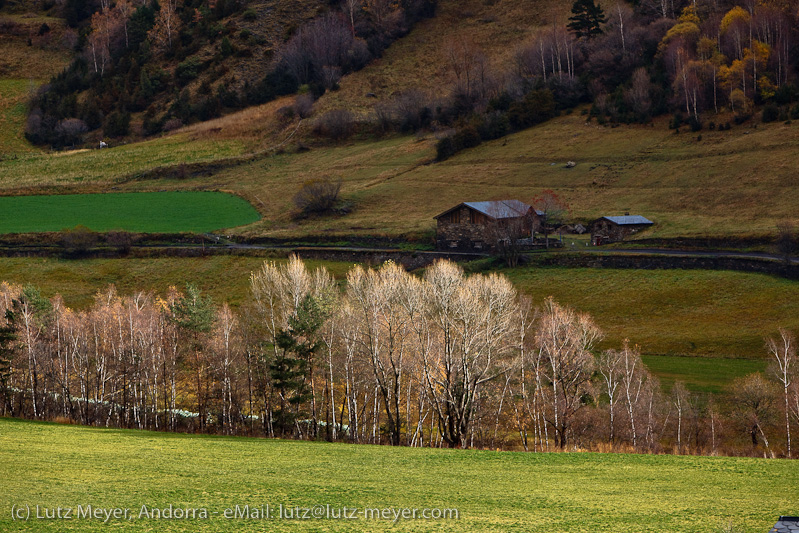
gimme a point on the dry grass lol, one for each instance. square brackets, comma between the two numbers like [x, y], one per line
[20, 61]
[257, 127]
[418, 61]
[729, 184]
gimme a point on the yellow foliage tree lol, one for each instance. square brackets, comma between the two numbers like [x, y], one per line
[688, 31]
[689, 15]
[733, 16]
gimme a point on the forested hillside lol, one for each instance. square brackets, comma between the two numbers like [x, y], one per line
[482, 68]
[140, 69]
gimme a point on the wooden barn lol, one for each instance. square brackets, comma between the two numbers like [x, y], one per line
[476, 226]
[615, 229]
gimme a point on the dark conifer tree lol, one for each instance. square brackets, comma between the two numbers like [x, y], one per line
[587, 19]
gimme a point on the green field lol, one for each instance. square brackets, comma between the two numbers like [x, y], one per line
[667, 312]
[702, 327]
[51, 465]
[156, 212]
[701, 374]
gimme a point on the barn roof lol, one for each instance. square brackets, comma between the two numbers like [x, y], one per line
[786, 524]
[628, 220]
[497, 209]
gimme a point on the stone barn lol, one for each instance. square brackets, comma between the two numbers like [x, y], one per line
[476, 226]
[615, 229]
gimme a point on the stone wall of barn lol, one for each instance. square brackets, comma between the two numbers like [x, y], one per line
[461, 236]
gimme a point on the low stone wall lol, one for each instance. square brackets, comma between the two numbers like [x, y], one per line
[409, 260]
[655, 262]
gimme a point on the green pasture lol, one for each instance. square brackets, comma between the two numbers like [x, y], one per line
[702, 327]
[673, 312]
[51, 465]
[77, 167]
[156, 212]
[701, 374]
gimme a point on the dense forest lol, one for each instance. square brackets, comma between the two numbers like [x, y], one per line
[708, 64]
[142, 57]
[442, 359]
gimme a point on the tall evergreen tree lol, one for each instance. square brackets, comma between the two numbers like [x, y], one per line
[587, 18]
[194, 315]
[292, 370]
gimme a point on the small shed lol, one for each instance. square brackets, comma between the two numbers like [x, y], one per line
[605, 230]
[475, 226]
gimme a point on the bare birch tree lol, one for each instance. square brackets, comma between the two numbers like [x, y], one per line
[565, 339]
[783, 350]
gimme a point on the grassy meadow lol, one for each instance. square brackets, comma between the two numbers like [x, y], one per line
[740, 182]
[702, 327]
[745, 187]
[155, 212]
[52, 465]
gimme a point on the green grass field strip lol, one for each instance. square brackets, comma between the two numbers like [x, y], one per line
[157, 212]
[51, 465]
[80, 166]
[701, 374]
[656, 309]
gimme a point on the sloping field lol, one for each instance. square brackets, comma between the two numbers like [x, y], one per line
[728, 184]
[155, 212]
[50, 466]
[740, 182]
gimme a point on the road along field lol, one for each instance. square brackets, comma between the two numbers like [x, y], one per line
[139, 472]
[155, 212]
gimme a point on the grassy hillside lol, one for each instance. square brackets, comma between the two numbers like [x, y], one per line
[731, 183]
[419, 60]
[22, 69]
[51, 465]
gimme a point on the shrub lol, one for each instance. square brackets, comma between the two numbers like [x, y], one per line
[676, 121]
[173, 124]
[250, 15]
[188, 70]
[337, 124]
[77, 242]
[70, 131]
[493, 126]
[122, 241]
[467, 137]
[795, 112]
[694, 123]
[117, 124]
[771, 113]
[225, 48]
[445, 148]
[152, 125]
[303, 105]
[464, 138]
[537, 106]
[787, 93]
[317, 196]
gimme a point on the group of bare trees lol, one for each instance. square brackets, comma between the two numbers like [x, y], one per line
[441, 359]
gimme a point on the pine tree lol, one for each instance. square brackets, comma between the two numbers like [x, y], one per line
[587, 17]
[292, 370]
